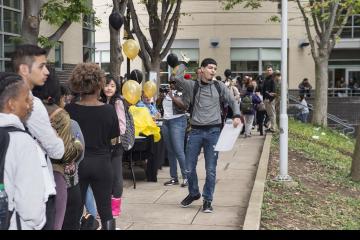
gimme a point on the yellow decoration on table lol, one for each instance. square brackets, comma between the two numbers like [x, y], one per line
[144, 123]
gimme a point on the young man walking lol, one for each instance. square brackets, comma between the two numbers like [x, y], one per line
[30, 63]
[204, 97]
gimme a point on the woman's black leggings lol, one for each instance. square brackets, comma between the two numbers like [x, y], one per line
[73, 205]
[116, 162]
[96, 171]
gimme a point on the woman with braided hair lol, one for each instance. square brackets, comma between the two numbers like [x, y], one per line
[25, 168]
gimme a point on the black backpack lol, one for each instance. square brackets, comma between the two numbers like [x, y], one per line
[223, 109]
[4, 143]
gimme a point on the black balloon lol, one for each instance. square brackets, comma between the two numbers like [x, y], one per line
[116, 20]
[172, 60]
[136, 75]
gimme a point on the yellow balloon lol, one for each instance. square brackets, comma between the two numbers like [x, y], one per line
[131, 91]
[149, 89]
[131, 48]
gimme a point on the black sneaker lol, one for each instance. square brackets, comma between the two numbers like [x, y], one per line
[184, 183]
[172, 182]
[189, 199]
[207, 208]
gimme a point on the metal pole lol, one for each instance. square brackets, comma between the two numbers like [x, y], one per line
[284, 90]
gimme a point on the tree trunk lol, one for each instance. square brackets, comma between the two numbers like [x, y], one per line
[31, 21]
[355, 165]
[155, 67]
[321, 92]
[116, 57]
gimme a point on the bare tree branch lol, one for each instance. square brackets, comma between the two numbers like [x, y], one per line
[314, 17]
[333, 9]
[171, 40]
[307, 27]
[174, 17]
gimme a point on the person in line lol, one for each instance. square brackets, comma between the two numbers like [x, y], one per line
[269, 93]
[205, 128]
[249, 110]
[29, 62]
[23, 173]
[110, 95]
[49, 94]
[173, 131]
[99, 124]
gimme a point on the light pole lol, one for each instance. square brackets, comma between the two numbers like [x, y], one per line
[284, 121]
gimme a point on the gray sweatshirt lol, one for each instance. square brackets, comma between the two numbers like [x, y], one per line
[206, 108]
[23, 177]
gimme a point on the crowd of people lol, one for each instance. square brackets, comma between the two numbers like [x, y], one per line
[63, 163]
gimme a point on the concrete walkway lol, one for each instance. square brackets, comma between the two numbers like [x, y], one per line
[155, 206]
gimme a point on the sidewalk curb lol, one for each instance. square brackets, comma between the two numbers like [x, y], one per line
[253, 212]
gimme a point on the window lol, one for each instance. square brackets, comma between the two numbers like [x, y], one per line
[59, 49]
[103, 59]
[253, 61]
[89, 37]
[10, 29]
[352, 27]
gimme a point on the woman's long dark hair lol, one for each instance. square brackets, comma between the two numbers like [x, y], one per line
[116, 96]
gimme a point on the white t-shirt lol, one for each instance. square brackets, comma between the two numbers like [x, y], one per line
[168, 108]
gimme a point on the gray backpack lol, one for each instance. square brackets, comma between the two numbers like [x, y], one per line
[128, 138]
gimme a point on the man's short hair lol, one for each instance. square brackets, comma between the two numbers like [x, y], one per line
[269, 66]
[24, 54]
[208, 61]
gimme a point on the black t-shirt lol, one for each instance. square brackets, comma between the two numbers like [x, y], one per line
[99, 124]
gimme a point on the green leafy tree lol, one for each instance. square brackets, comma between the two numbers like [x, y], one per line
[61, 13]
[324, 21]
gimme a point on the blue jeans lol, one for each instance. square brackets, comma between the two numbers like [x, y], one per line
[90, 202]
[303, 117]
[206, 138]
[173, 132]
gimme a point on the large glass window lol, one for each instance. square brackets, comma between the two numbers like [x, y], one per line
[253, 61]
[352, 27]
[59, 49]
[103, 59]
[89, 37]
[10, 29]
[12, 3]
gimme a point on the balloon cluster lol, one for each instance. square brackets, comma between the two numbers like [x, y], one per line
[131, 90]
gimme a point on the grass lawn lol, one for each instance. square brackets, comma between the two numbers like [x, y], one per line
[325, 197]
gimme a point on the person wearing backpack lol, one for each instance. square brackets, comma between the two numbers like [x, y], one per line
[204, 97]
[21, 160]
[29, 61]
[60, 120]
[247, 108]
[111, 95]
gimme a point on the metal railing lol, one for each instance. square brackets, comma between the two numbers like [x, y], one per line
[346, 128]
[332, 92]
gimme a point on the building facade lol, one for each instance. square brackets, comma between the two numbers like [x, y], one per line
[75, 46]
[242, 40]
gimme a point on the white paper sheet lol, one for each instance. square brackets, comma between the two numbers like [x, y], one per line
[228, 136]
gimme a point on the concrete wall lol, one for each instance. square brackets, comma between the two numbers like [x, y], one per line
[72, 39]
